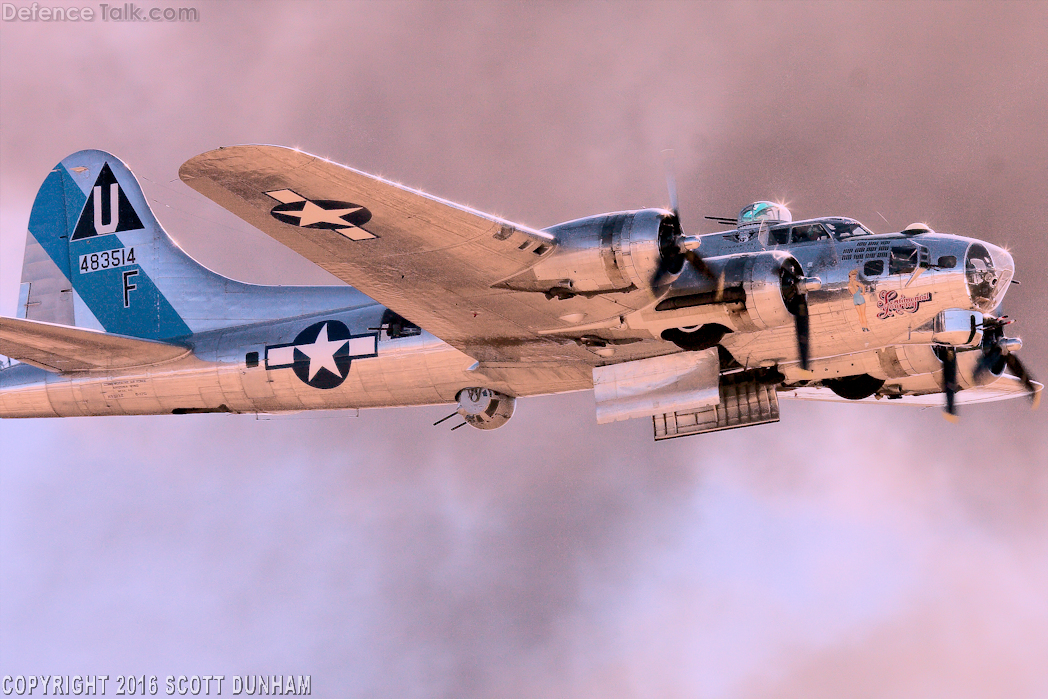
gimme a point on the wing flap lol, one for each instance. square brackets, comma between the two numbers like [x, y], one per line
[428, 259]
[62, 348]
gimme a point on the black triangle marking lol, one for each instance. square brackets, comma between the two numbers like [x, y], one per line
[91, 225]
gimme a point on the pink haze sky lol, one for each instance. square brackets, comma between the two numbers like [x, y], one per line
[847, 551]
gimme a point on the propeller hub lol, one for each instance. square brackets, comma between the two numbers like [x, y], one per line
[806, 284]
[1010, 344]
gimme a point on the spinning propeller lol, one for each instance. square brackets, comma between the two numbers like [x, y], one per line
[795, 288]
[676, 248]
[998, 353]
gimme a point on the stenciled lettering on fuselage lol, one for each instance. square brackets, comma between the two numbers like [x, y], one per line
[322, 353]
[891, 303]
[340, 216]
[107, 209]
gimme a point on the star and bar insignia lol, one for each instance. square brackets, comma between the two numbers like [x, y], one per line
[340, 216]
[321, 354]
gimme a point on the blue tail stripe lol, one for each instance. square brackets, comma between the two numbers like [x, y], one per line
[149, 314]
[58, 202]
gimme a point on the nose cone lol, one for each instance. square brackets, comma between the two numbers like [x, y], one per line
[988, 271]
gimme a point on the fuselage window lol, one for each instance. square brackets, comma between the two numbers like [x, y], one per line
[903, 259]
[809, 233]
[947, 262]
[779, 236]
[396, 326]
[873, 268]
[982, 277]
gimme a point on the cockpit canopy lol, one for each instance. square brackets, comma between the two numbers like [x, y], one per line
[764, 211]
[816, 230]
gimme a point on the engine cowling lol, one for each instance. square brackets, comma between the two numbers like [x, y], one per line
[747, 292]
[913, 360]
[611, 252]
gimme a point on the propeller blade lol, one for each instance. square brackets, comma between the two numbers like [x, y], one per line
[987, 361]
[669, 264]
[795, 296]
[801, 326]
[949, 382]
[661, 272]
[696, 261]
[1017, 368]
[671, 181]
[670, 260]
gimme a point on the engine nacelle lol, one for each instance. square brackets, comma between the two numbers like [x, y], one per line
[610, 252]
[749, 292]
[484, 408]
[925, 359]
[956, 327]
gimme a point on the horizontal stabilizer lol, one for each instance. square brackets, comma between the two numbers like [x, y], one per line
[62, 348]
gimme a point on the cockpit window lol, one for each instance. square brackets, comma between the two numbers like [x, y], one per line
[842, 230]
[779, 236]
[809, 232]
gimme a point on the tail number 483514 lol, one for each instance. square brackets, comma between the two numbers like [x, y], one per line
[107, 259]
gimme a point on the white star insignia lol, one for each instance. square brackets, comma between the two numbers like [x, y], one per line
[311, 213]
[322, 353]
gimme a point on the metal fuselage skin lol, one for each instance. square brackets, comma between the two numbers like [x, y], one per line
[249, 368]
[216, 376]
[897, 307]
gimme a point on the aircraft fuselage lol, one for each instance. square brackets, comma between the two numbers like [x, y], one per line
[262, 368]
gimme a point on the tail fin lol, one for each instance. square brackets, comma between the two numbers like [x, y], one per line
[96, 257]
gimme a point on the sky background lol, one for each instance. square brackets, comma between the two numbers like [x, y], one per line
[847, 551]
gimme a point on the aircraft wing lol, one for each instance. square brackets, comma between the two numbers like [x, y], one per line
[61, 348]
[432, 261]
[1005, 387]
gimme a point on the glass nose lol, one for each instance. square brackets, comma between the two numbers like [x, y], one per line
[988, 270]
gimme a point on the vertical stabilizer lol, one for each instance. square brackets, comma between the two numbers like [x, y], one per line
[46, 292]
[97, 258]
[95, 254]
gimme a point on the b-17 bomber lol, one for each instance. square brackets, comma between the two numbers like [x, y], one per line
[443, 304]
